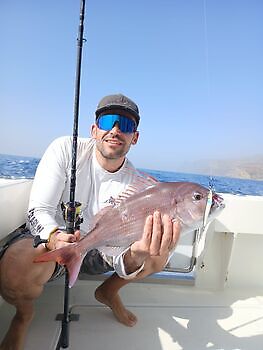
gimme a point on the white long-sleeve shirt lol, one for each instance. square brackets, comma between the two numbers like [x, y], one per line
[95, 186]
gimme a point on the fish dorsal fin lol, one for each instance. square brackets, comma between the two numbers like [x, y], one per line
[141, 182]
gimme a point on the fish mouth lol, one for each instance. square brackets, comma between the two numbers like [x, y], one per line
[217, 202]
[214, 205]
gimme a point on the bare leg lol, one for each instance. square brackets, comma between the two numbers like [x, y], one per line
[14, 338]
[21, 282]
[107, 292]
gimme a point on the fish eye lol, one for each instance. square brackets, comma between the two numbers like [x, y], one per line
[197, 196]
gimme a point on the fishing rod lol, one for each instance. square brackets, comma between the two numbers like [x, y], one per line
[71, 209]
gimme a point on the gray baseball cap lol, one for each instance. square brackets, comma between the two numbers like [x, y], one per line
[118, 101]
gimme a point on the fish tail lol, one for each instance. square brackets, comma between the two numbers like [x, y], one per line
[73, 270]
[68, 256]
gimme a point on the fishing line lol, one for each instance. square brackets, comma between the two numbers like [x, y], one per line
[208, 88]
[206, 53]
[200, 233]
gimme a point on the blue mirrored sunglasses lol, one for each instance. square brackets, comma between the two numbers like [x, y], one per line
[108, 121]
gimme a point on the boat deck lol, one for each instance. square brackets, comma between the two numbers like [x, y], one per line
[169, 317]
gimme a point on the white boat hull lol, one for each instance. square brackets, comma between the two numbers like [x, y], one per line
[14, 195]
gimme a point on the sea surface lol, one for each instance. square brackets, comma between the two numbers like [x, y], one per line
[17, 167]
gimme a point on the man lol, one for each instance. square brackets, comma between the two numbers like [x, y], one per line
[103, 171]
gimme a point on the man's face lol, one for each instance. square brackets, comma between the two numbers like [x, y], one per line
[113, 144]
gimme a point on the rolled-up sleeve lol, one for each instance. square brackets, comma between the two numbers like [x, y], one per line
[119, 267]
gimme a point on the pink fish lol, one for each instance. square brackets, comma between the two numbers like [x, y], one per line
[121, 223]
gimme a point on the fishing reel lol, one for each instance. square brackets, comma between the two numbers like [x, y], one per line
[72, 215]
[73, 219]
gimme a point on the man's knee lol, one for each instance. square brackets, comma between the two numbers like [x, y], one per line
[18, 286]
[15, 294]
[20, 277]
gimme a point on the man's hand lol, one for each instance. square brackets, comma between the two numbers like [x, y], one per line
[160, 236]
[60, 239]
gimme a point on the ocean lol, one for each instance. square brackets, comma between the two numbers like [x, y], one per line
[17, 167]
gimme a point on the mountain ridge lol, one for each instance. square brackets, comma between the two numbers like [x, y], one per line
[244, 168]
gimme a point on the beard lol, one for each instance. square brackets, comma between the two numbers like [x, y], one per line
[109, 151]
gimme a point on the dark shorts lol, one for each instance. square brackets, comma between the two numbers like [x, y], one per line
[93, 263]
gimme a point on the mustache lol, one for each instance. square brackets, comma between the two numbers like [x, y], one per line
[112, 137]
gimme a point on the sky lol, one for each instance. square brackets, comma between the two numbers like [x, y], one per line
[194, 67]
